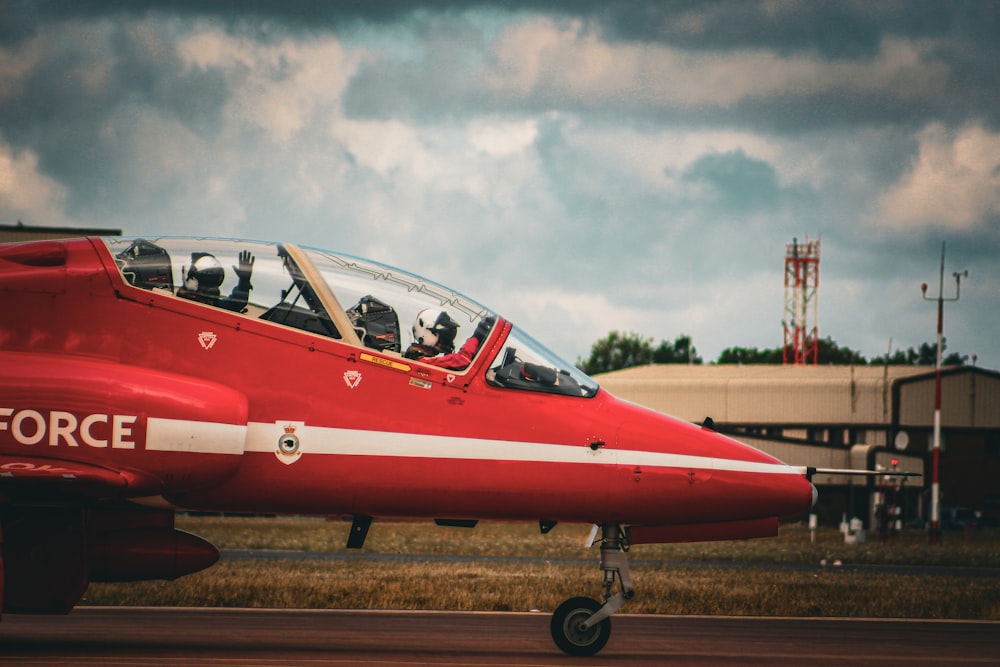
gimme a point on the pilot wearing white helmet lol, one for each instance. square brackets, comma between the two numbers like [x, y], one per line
[204, 277]
[434, 334]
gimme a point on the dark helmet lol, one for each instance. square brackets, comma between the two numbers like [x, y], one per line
[145, 264]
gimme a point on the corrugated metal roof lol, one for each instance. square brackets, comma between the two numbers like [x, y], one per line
[808, 395]
[764, 372]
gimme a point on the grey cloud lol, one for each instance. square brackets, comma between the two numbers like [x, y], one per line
[739, 181]
[78, 108]
[956, 82]
[23, 17]
[438, 82]
[835, 30]
[428, 87]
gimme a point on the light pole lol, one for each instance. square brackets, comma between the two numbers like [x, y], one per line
[935, 530]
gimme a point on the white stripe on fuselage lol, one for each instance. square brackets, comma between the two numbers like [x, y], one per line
[171, 435]
[349, 442]
[178, 435]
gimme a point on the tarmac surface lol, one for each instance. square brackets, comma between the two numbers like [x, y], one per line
[146, 636]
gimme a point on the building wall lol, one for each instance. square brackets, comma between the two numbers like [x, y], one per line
[764, 395]
[967, 400]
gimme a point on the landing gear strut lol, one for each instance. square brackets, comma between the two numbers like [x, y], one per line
[582, 626]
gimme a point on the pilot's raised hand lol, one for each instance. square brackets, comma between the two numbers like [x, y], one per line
[483, 329]
[245, 270]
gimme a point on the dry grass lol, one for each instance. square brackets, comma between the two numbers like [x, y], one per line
[519, 587]
[747, 586]
[793, 545]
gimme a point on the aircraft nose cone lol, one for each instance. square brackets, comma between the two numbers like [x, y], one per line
[815, 493]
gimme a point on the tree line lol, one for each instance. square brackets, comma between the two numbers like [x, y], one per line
[620, 350]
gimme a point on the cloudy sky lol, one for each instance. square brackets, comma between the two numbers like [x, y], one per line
[579, 167]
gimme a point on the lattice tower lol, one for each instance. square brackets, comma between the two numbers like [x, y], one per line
[801, 322]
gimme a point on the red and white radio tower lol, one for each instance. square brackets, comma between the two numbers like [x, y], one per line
[801, 303]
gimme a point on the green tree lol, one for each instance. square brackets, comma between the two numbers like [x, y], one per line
[623, 350]
[925, 355]
[750, 355]
[830, 353]
[616, 351]
[681, 351]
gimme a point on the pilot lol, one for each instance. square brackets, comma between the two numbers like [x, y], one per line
[205, 275]
[434, 334]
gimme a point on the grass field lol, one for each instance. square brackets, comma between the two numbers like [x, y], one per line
[741, 581]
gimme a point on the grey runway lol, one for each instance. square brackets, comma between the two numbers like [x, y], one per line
[145, 636]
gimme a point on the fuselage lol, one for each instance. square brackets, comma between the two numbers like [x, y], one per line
[203, 407]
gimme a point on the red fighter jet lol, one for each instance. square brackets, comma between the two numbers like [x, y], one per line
[139, 377]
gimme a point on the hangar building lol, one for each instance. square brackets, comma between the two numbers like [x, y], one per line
[846, 417]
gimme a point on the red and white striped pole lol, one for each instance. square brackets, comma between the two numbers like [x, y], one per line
[935, 528]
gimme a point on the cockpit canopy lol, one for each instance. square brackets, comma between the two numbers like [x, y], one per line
[353, 300]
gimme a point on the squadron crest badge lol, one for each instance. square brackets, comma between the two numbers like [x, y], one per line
[288, 450]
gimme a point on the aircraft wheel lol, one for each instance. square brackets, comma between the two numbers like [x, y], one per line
[566, 630]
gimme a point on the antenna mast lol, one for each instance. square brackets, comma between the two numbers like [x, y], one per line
[801, 321]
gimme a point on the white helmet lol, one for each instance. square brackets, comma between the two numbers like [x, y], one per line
[435, 328]
[206, 273]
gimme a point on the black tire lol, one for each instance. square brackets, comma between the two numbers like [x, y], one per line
[565, 627]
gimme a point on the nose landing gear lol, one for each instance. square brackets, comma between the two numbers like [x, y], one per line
[582, 626]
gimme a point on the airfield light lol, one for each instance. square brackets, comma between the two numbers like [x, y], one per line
[935, 528]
